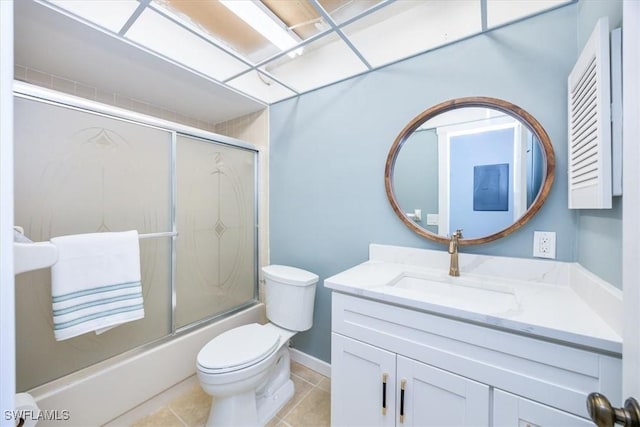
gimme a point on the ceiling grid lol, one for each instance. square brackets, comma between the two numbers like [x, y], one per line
[334, 39]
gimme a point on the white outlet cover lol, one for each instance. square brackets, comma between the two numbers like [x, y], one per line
[544, 244]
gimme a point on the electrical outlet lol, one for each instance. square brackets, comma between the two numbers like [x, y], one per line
[544, 244]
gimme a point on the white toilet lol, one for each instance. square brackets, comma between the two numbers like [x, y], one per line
[247, 369]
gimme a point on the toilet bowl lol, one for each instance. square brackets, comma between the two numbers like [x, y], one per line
[247, 369]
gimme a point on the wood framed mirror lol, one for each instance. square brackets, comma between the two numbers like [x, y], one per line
[479, 164]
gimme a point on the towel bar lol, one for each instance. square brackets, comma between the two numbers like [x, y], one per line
[161, 234]
[30, 255]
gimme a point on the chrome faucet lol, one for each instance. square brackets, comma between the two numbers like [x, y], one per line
[454, 269]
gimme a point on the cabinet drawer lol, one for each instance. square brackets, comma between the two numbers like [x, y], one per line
[551, 373]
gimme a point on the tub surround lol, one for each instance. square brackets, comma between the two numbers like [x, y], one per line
[551, 300]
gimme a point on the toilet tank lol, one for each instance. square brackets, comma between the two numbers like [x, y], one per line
[290, 293]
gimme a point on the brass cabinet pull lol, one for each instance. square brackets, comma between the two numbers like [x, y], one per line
[384, 393]
[403, 385]
[605, 415]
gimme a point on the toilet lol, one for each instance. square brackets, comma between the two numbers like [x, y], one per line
[247, 369]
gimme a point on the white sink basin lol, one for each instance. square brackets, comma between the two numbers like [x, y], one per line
[456, 292]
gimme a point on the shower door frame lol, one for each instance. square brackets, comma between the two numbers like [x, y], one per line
[39, 94]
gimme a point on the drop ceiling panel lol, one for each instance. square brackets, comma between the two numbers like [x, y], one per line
[500, 12]
[261, 87]
[163, 36]
[324, 61]
[406, 28]
[111, 15]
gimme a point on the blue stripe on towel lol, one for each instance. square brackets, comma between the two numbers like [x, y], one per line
[90, 317]
[76, 294]
[73, 308]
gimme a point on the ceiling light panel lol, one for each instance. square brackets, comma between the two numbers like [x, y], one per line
[324, 61]
[111, 15]
[260, 87]
[343, 10]
[406, 28]
[173, 41]
[221, 24]
[299, 16]
[265, 22]
[501, 12]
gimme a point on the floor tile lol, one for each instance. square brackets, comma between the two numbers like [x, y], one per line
[325, 384]
[192, 407]
[302, 388]
[305, 373]
[189, 405]
[163, 417]
[314, 410]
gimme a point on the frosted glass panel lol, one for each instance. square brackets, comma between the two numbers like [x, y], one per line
[215, 217]
[79, 172]
[41, 359]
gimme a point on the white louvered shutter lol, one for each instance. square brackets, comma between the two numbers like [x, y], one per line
[590, 124]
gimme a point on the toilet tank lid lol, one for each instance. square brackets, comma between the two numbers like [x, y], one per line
[289, 275]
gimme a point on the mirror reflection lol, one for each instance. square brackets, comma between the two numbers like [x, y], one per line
[481, 166]
[478, 169]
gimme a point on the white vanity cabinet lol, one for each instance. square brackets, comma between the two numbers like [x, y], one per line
[374, 387]
[511, 410]
[455, 373]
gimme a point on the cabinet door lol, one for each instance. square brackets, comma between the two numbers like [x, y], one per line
[510, 410]
[357, 390]
[433, 397]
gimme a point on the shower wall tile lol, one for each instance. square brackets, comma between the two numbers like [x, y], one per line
[105, 97]
[63, 85]
[19, 72]
[76, 88]
[84, 91]
[39, 78]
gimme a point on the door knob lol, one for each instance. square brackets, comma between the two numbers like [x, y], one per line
[605, 415]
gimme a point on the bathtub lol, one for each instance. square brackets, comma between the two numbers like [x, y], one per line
[95, 395]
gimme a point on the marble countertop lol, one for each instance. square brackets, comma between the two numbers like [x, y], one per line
[532, 297]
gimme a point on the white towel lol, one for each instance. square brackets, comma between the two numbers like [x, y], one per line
[95, 284]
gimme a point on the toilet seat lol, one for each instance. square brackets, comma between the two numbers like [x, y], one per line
[238, 348]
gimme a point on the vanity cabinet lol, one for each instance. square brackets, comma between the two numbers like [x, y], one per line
[511, 410]
[455, 373]
[374, 387]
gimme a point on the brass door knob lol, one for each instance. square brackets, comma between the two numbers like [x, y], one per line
[605, 415]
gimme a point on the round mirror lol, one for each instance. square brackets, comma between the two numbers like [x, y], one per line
[482, 165]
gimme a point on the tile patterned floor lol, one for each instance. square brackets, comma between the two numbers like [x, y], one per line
[309, 407]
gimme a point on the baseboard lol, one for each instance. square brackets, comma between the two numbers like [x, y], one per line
[311, 362]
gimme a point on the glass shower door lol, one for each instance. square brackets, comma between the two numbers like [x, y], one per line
[216, 221]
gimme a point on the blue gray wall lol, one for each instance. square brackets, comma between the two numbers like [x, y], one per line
[600, 231]
[328, 150]
[415, 176]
